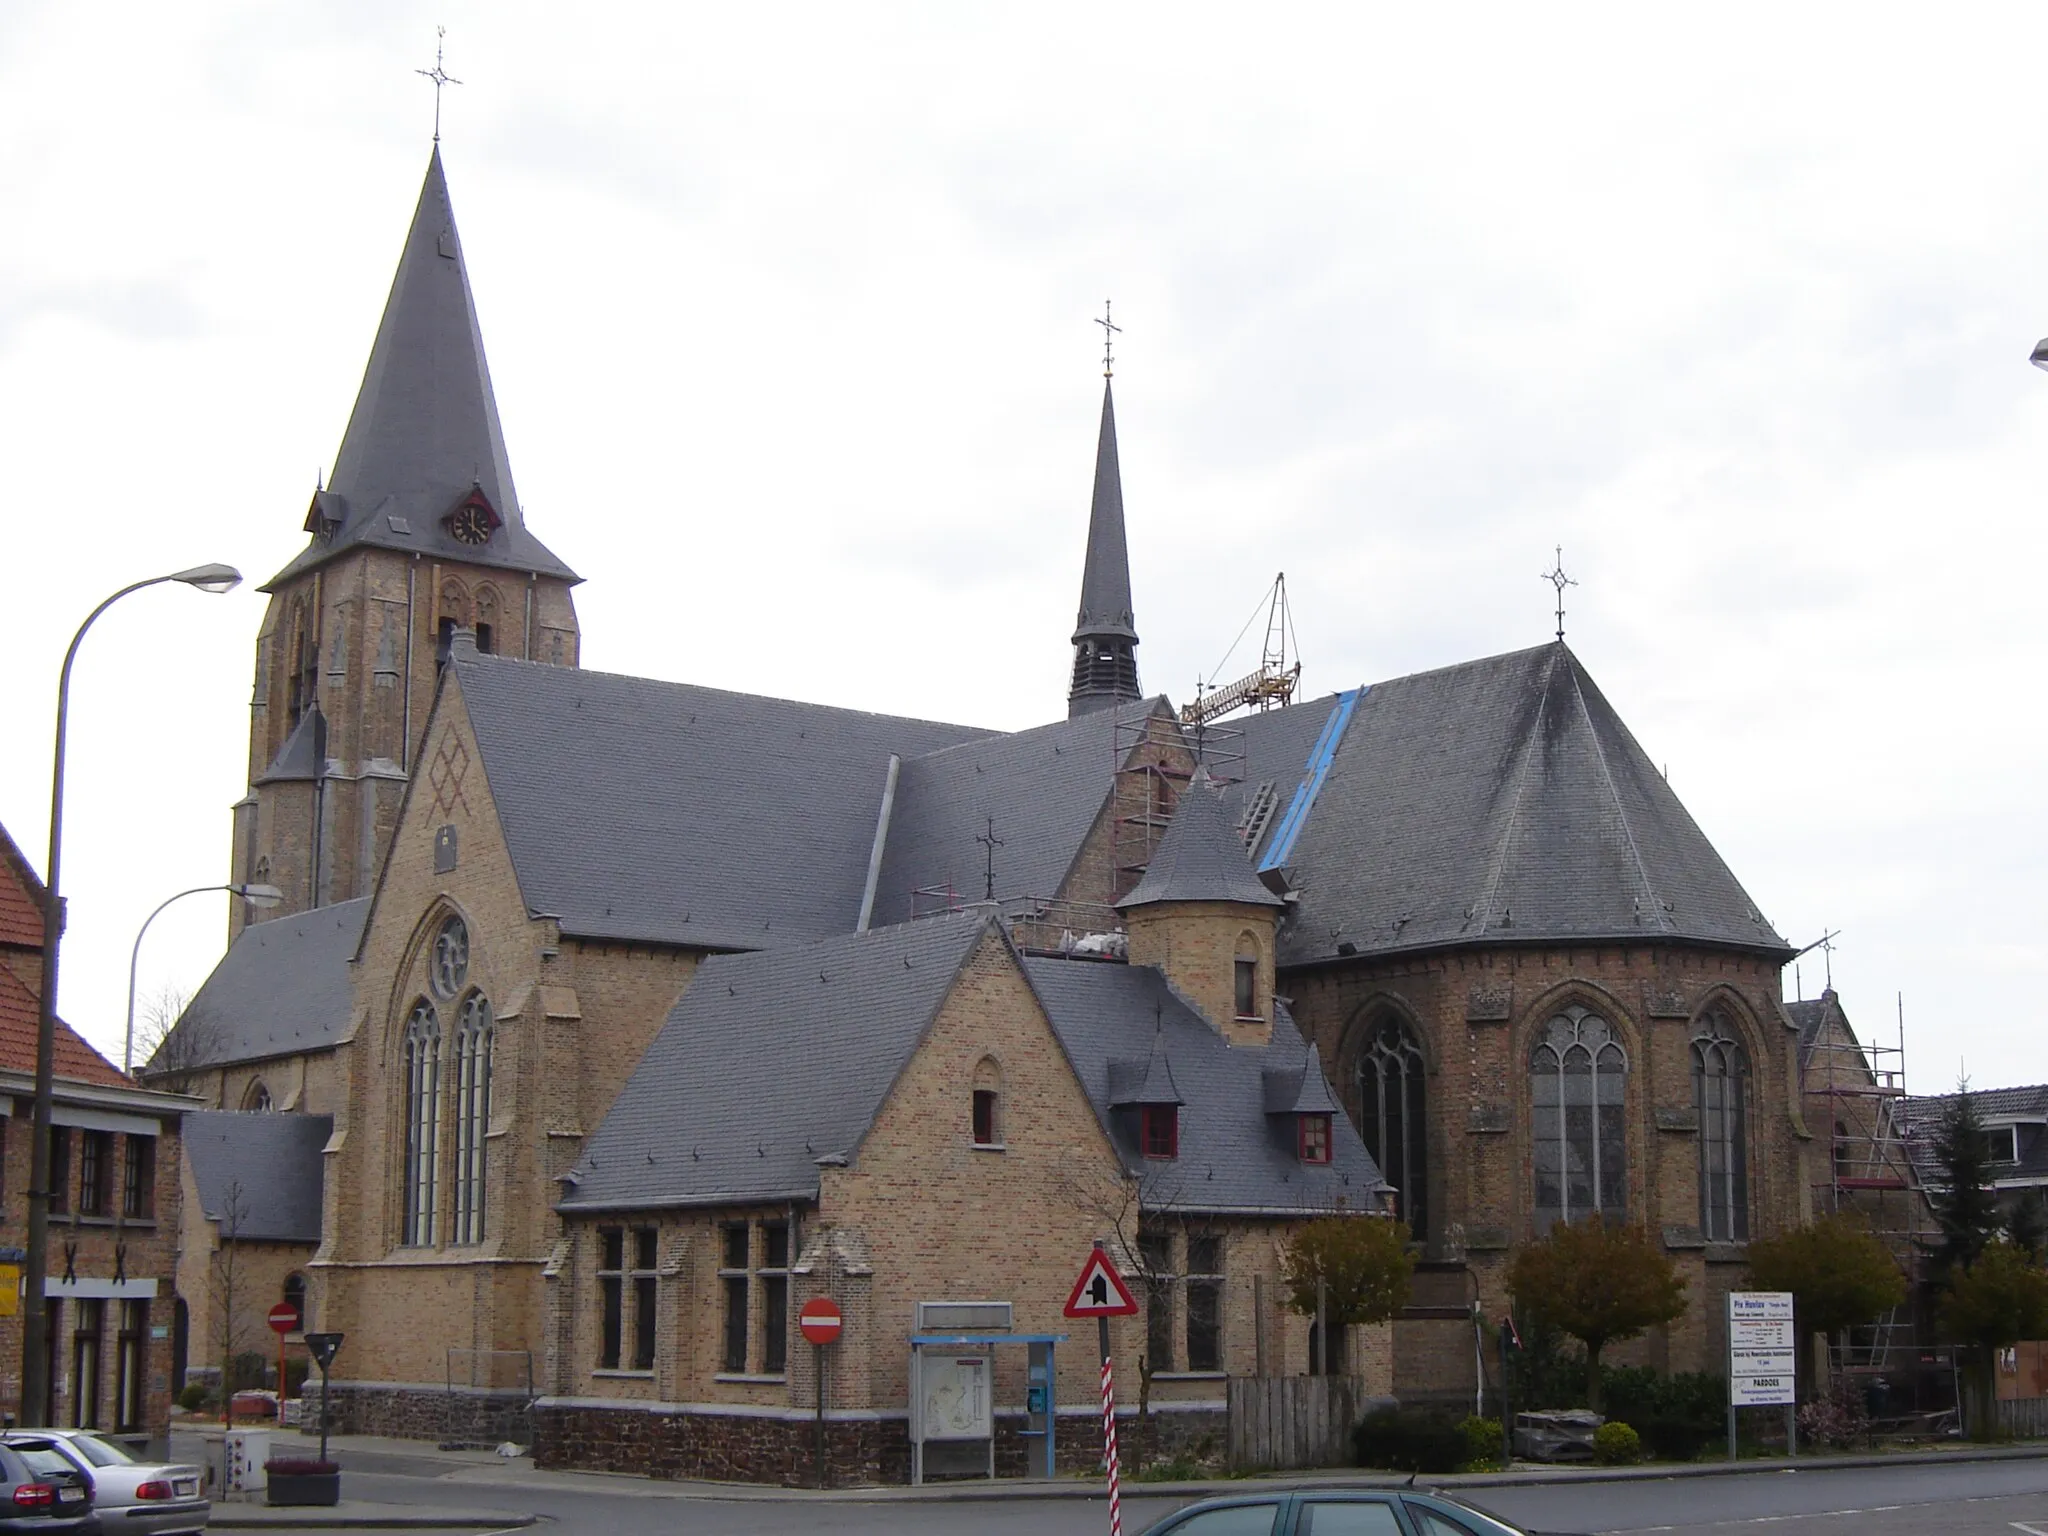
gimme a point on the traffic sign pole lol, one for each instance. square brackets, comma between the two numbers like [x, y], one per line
[283, 1318]
[820, 1321]
[1099, 1292]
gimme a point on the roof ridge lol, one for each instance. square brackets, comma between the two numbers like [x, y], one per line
[1628, 831]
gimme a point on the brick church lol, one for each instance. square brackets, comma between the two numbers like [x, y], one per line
[642, 1011]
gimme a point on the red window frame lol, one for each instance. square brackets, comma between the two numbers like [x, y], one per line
[1159, 1130]
[1312, 1138]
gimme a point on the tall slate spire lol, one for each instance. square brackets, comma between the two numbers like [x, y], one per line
[424, 435]
[1105, 638]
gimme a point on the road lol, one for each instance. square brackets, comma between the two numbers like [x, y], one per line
[1996, 1498]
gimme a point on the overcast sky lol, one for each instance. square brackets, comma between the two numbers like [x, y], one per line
[789, 313]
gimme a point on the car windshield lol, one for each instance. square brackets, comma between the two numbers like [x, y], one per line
[101, 1453]
[1468, 1515]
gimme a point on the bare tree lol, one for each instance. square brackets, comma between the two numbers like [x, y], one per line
[176, 1041]
[224, 1288]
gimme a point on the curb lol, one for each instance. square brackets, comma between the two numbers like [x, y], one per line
[353, 1514]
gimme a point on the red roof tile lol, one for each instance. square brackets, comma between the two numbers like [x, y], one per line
[21, 897]
[74, 1058]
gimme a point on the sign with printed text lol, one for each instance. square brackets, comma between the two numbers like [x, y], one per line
[1100, 1291]
[1762, 1348]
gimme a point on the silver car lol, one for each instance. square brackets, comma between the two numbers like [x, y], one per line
[134, 1498]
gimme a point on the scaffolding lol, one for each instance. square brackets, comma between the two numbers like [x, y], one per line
[1154, 758]
[1860, 1091]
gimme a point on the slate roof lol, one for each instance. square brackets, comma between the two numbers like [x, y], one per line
[270, 1164]
[1501, 801]
[1106, 574]
[776, 1059]
[303, 757]
[1202, 856]
[282, 987]
[425, 427]
[2023, 1105]
[768, 1062]
[1234, 1155]
[1044, 789]
[653, 811]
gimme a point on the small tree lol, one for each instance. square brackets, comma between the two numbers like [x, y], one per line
[1598, 1282]
[2026, 1225]
[1966, 1203]
[174, 1042]
[1839, 1274]
[225, 1287]
[1999, 1300]
[1348, 1270]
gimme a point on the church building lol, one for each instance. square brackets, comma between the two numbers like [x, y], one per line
[642, 1011]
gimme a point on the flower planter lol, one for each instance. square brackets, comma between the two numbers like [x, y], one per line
[302, 1488]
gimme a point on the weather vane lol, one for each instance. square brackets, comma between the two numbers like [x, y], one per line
[440, 77]
[1108, 330]
[1557, 578]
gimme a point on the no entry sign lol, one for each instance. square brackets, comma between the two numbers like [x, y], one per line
[284, 1318]
[820, 1320]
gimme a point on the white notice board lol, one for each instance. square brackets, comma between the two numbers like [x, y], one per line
[955, 1391]
[1761, 1348]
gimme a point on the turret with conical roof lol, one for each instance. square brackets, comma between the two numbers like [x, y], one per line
[1105, 635]
[416, 534]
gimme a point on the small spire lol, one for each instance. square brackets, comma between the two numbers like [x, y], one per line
[1105, 636]
[440, 77]
[1557, 578]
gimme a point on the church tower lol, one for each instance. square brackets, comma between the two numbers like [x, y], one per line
[417, 533]
[1105, 639]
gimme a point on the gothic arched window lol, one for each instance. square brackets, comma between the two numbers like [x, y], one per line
[1578, 1077]
[1720, 1077]
[422, 1120]
[474, 1037]
[1391, 1118]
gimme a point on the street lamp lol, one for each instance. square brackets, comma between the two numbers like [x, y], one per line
[35, 1320]
[2040, 355]
[256, 895]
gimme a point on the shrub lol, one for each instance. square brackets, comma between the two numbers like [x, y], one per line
[1840, 1419]
[1677, 1416]
[1615, 1444]
[1410, 1440]
[300, 1466]
[1548, 1371]
[1482, 1440]
[194, 1397]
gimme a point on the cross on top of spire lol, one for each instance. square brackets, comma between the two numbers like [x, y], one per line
[440, 77]
[1108, 331]
[1557, 578]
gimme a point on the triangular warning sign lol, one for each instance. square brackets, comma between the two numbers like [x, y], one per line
[1101, 1292]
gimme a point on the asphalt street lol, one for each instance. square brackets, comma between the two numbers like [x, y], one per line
[1995, 1498]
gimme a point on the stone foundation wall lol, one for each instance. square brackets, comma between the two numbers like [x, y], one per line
[781, 1448]
[468, 1416]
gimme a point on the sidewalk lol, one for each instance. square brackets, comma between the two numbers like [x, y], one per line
[361, 1514]
[499, 1479]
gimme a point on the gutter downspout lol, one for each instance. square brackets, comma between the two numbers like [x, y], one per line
[412, 576]
[867, 896]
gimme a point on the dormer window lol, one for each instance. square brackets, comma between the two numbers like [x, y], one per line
[1159, 1130]
[2002, 1143]
[1312, 1138]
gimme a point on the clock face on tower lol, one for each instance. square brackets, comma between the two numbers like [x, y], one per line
[470, 523]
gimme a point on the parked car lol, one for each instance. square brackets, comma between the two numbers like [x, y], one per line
[131, 1498]
[1332, 1512]
[42, 1491]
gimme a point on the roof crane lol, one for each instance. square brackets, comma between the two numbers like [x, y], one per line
[1272, 685]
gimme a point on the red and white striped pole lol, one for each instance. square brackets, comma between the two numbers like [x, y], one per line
[1109, 1458]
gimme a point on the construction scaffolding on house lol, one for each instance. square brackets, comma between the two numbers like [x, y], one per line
[1154, 758]
[1861, 1090]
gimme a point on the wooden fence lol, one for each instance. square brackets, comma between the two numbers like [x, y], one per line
[1296, 1421]
[2026, 1417]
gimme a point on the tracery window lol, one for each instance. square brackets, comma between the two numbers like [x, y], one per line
[1720, 1079]
[1578, 1077]
[1391, 1115]
[450, 967]
[422, 1120]
[475, 1034]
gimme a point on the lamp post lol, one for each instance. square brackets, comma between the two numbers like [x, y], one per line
[2040, 354]
[35, 1322]
[265, 896]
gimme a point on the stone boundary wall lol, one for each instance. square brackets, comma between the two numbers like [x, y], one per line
[467, 1416]
[780, 1448]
